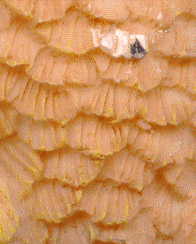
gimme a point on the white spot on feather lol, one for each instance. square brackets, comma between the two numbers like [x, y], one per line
[96, 33]
[160, 16]
[117, 42]
[89, 7]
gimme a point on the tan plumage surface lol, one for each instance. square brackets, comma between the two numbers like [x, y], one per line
[96, 147]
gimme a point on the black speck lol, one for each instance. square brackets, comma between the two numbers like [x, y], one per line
[137, 51]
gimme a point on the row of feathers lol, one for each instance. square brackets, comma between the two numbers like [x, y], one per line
[95, 149]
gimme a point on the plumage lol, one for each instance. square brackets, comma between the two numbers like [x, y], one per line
[7, 120]
[172, 106]
[140, 230]
[108, 204]
[76, 232]
[163, 13]
[71, 167]
[18, 45]
[182, 179]
[106, 9]
[181, 74]
[124, 168]
[96, 138]
[6, 17]
[60, 70]
[49, 136]
[8, 217]
[52, 202]
[20, 165]
[179, 40]
[34, 99]
[106, 100]
[133, 74]
[164, 146]
[75, 30]
[97, 121]
[36, 8]
[30, 231]
[166, 209]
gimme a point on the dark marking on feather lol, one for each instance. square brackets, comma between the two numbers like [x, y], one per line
[137, 51]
